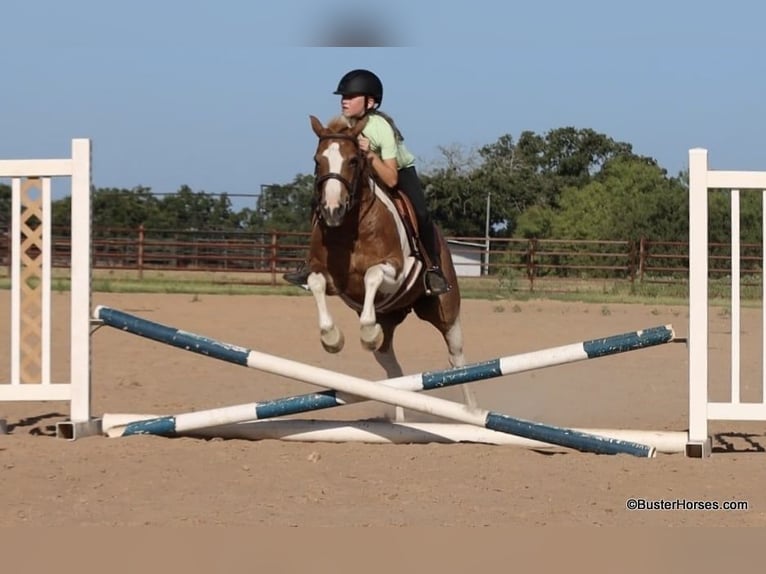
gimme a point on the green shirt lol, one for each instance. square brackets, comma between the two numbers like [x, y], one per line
[383, 142]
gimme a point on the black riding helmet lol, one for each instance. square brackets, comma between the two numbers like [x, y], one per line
[361, 82]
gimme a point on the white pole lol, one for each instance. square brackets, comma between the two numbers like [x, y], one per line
[381, 432]
[47, 278]
[16, 281]
[736, 305]
[80, 289]
[367, 389]
[698, 296]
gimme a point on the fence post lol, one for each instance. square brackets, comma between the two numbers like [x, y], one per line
[642, 253]
[273, 258]
[531, 263]
[632, 254]
[140, 260]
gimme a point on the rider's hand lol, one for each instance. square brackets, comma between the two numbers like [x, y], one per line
[364, 144]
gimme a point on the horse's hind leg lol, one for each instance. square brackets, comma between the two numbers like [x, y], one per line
[331, 337]
[386, 357]
[453, 336]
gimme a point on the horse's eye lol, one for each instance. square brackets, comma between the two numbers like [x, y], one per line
[353, 162]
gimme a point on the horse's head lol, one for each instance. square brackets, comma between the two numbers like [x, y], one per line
[340, 168]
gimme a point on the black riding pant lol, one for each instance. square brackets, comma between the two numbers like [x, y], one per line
[410, 184]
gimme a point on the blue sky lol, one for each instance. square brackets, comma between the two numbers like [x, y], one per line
[216, 94]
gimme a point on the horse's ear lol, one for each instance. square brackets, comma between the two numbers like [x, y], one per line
[316, 125]
[359, 126]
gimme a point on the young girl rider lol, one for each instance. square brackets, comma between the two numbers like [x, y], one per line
[381, 141]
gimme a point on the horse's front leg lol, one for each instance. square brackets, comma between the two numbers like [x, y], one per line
[370, 332]
[330, 335]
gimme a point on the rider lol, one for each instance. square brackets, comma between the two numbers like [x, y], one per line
[361, 94]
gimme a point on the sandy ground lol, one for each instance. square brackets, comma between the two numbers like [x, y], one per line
[187, 481]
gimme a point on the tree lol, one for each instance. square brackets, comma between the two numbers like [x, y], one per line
[456, 202]
[534, 171]
[575, 155]
[283, 207]
[190, 210]
[111, 207]
[630, 198]
[5, 206]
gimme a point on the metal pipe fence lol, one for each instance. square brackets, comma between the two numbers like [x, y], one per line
[268, 254]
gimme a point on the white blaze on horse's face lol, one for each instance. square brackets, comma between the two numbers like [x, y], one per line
[333, 187]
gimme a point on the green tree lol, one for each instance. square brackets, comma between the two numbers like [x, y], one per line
[577, 154]
[5, 205]
[536, 223]
[283, 207]
[536, 170]
[111, 207]
[630, 198]
[719, 216]
[457, 203]
[194, 210]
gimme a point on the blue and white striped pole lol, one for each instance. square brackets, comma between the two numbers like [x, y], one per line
[181, 423]
[368, 389]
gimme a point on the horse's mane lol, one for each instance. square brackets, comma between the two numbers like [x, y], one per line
[339, 124]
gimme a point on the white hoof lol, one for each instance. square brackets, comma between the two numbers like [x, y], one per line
[371, 337]
[332, 340]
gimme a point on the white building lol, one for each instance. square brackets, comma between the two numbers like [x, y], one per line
[467, 257]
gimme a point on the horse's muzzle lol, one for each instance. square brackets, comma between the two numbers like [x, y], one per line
[333, 216]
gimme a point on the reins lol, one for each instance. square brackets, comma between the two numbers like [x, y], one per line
[353, 185]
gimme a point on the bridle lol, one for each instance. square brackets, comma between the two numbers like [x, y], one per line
[353, 185]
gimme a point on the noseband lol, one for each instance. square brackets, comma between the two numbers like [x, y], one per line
[353, 185]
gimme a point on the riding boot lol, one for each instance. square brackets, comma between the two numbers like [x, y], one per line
[435, 281]
[300, 276]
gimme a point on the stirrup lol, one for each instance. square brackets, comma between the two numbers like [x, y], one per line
[435, 281]
[298, 277]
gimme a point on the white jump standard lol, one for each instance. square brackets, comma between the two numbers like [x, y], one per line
[31, 325]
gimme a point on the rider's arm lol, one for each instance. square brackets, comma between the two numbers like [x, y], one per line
[385, 169]
[382, 151]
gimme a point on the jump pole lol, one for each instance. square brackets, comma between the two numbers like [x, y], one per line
[369, 389]
[385, 432]
[172, 425]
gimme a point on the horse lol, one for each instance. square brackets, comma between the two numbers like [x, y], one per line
[361, 252]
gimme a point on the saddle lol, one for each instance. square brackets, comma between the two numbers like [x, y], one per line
[410, 222]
